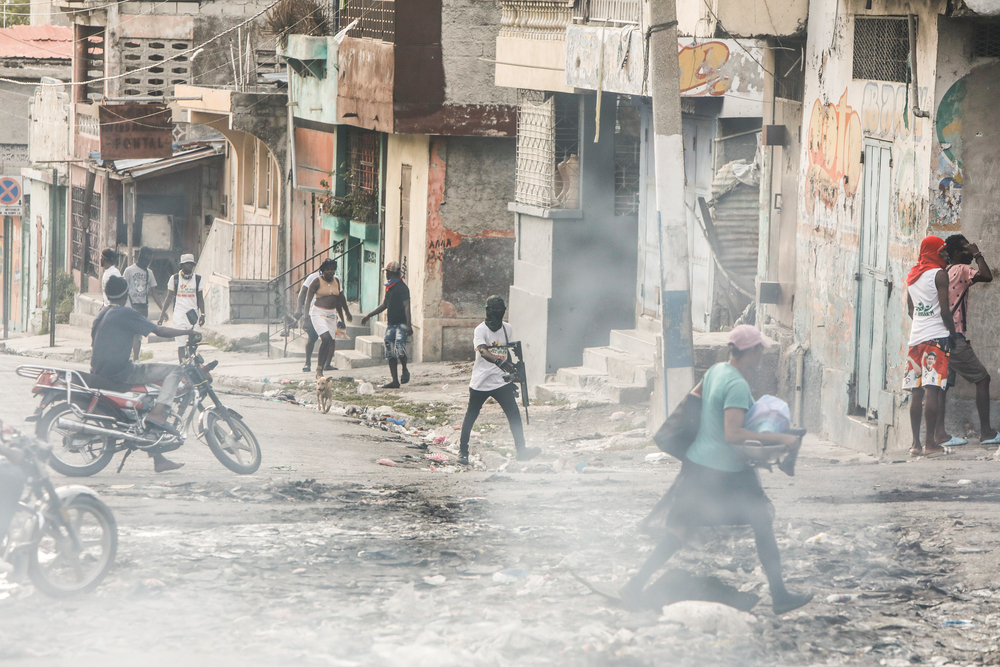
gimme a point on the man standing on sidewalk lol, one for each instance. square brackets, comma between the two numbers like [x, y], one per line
[184, 294]
[141, 285]
[932, 333]
[397, 302]
[963, 359]
[109, 260]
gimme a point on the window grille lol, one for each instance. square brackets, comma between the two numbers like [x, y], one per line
[93, 64]
[548, 150]
[159, 79]
[92, 231]
[376, 19]
[362, 173]
[986, 39]
[881, 49]
[627, 142]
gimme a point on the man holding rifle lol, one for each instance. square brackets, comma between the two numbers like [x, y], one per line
[492, 378]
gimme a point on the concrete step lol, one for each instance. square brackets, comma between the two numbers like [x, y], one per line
[634, 342]
[81, 320]
[88, 304]
[374, 346]
[621, 366]
[603, 385]
[345, 359]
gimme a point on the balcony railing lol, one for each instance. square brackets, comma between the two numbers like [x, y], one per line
[376, 19]
[612, 11]
[535, 19]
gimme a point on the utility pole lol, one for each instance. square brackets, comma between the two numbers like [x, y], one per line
[53, 248]
[675, 376]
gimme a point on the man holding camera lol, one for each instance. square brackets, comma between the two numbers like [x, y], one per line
[491, 340]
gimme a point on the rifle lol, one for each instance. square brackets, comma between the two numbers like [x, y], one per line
[519, 377]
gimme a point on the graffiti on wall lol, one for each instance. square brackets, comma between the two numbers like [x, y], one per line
[885, 112]
[701, 73]
[946, 200]
[834, 147]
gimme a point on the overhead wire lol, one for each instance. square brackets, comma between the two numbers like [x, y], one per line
[159, 63]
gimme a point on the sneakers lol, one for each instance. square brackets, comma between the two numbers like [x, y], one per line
[528, 453]
[307, 369]
[463, 459]
[786, 602]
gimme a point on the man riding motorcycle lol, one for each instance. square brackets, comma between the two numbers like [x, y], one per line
[111, 339]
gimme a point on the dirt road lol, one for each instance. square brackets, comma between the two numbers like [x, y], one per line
[365, 564]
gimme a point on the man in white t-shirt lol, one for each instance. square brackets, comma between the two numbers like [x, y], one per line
[109, 259]
[184, 295]
[492, 341]
[141, 286]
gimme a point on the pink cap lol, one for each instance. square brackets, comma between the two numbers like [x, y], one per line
[746, 336]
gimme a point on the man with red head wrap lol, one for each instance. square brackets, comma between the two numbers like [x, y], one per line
[932, 334]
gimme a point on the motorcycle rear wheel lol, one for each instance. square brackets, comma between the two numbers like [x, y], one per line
[74, 454]
[241, 456]
[57, 568]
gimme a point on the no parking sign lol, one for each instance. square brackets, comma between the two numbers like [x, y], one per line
[10, 195]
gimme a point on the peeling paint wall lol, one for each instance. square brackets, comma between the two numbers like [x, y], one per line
[840, 116]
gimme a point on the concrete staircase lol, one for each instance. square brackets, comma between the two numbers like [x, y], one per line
[297, 345]
[368, 350]
[86, 307]
[621, 372]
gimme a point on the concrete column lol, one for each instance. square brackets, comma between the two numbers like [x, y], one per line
[675, 373]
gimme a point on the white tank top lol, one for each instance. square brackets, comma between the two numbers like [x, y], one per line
[927, 323]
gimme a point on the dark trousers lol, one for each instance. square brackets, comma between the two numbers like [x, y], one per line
[12, 480]
[508, 402]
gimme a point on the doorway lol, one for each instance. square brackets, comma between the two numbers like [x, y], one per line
[874, 285]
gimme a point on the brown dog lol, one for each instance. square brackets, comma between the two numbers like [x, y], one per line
[324, 394]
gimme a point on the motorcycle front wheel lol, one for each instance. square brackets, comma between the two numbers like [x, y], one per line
[242, 455]
[74, 454]
[57, 567]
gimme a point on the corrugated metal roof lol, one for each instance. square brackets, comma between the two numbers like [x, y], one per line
[41, 42]
[735, 208]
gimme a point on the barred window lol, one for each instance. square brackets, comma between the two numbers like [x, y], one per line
[548, 150]
[986, 39]
[881, 49]
[627, 143]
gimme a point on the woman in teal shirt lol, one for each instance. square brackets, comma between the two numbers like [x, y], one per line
[715, 487]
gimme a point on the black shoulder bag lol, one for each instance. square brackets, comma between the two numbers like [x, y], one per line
[681, 427]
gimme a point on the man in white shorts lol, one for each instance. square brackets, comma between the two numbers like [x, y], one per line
[183, 295]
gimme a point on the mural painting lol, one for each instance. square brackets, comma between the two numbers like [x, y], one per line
[700, 75]
[834, 150]
[946, 198]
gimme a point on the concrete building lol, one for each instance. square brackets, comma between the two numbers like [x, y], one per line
[132, 54]
[585, 209]
[899, 140]
[29, 55]
[404, 151]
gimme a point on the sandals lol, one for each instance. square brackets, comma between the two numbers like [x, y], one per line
[995, 440]
[957, 442]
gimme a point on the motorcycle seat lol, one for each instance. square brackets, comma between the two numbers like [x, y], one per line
[98, 382]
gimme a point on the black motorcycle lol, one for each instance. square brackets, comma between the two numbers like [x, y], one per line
[64, 539]
[87, 419]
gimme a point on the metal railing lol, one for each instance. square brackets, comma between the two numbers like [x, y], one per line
[612, 11]
[239, 251]
[279, 298]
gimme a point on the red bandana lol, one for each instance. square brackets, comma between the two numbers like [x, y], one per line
[930, 258]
